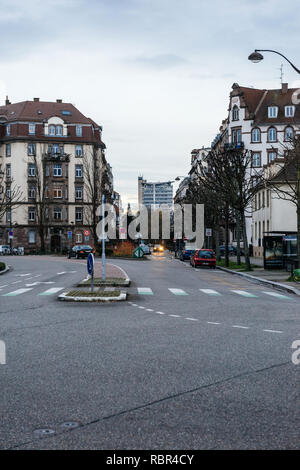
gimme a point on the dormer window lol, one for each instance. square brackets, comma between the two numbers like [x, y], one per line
[272, 111]
[78, 130]
[31, 128]
[59, 130]
[51, 130]
[235, 113]
[289, 111]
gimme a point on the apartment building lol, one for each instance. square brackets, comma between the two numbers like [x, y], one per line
[56, 157]
[154, 194]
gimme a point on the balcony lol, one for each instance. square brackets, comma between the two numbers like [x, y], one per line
[234, 146]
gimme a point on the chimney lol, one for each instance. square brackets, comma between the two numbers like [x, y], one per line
[7, 101]
[36, 99]
[285, 87]
[58, 101]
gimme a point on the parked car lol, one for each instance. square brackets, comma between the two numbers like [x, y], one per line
[231, 250]
[158, 247]
[80, 251]
[203, 257]
[4, 250]
[186, 254]
[145, 248]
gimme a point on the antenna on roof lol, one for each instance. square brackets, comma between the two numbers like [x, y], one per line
[281, 73]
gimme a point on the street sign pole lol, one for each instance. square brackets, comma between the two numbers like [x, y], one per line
[103, 241]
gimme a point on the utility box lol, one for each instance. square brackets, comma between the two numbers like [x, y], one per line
[138, 252]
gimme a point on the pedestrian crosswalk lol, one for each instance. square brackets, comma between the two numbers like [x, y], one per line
[25, 290]
[212, 292]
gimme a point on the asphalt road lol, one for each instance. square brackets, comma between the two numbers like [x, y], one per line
[200, 366]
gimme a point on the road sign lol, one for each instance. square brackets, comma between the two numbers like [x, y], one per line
[90, 263]
[208, 232]
[86, 233]
[11, 233]
[70, 235]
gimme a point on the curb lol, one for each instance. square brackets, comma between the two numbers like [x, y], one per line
[83, 283]
[127, 278]
[4, 270]
[259, 280]
[64, 297]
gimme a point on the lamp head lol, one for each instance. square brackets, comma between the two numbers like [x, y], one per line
[255, 57]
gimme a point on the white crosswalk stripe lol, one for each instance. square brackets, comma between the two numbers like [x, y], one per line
[177, 291]
[145, 291]
[210, 291]
[17, 292]
[278, 296]
[244, 293]
[51, 291]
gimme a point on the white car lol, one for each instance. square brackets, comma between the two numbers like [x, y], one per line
[4, 249]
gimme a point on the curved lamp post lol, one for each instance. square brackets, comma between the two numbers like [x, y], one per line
[256, 57]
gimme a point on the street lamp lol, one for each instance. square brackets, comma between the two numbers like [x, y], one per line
[256, 57]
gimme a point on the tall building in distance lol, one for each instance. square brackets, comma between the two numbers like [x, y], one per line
[154, 194]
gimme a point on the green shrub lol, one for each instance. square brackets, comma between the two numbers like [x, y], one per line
[2, 266]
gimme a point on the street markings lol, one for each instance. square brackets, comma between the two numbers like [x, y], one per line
[149, 310]
[273, 331]
[278, 296]
[213, 323]
[240, 326]
[145, 291]
[191, 319]
[160, 313]
[244, 293]
[22, 275]
[51, 291]
[17, 292]
[210, 291]
[173, 315]
[177, 291]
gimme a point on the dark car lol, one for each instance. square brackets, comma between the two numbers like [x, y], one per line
[80, 251]
[186, 254]
[204, 257]
[231, 250]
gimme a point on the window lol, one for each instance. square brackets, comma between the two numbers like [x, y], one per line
[272, 111]
[51, 130]
[8, 192]
[66, 112]
[8, 215]
[47, 192]
[289, 111]
[57, 213]
[78, 151]
[8, 129]
[268, 199]
[31, 149]
[31, 169]
[78, 192]
[235, 113]
[272, 155]
[78, 214]
[256, 159]
[78, 171]
[255, 135]
[31, 192]
[288, 133]
[78, 130]
[47, 170]
[236, 136]
[31, 129]
[8, 150]
[8, 170]
[31, 214]
[31, 236]
[272, 134]
[59, 130]
[78, 238]
[57, 170]
[263, 199]
[57, 193]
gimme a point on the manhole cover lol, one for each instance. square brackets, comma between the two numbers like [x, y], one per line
[44, 432]
[69, 425]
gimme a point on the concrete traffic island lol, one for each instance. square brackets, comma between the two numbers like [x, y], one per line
[3, 268]
[104, 291]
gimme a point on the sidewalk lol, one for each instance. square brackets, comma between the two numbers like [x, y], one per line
[273, 275]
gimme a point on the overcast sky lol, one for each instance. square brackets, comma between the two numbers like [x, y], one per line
[155, 73]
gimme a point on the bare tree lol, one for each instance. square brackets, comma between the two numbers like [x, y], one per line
[11, 195]
[231, 175]
[96, 184]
